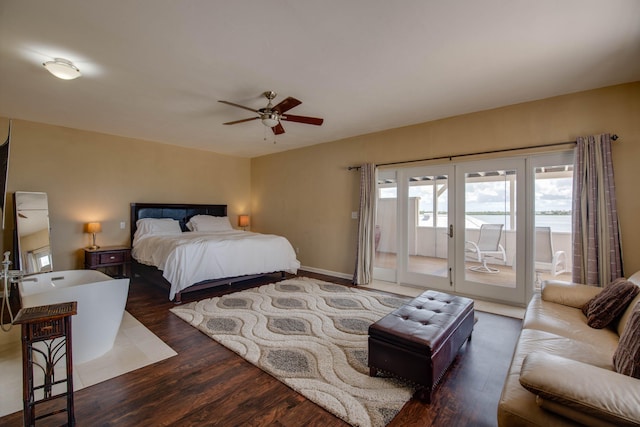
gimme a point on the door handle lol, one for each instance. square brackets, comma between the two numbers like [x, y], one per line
[451, 230]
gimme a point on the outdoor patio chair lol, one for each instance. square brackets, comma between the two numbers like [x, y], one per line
[545, 257]
[487, 246]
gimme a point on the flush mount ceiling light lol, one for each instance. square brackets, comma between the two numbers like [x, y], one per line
[62, 69]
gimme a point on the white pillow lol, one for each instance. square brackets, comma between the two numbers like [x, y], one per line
[153, 226]
[209, 223]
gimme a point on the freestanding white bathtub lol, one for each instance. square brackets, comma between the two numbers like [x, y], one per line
[101, 301]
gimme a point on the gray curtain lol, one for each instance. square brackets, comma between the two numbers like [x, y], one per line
[366, 225]
[597, 254]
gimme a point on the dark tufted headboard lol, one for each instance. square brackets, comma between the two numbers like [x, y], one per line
[181, 212]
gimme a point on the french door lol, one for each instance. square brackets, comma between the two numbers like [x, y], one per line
[425, 207]
[490, 229]
[412, 226]
[454, 227]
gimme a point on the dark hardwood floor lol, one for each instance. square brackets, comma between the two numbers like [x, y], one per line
[209, 385]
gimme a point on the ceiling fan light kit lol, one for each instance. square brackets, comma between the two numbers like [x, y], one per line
[270, 119]
[271, 115]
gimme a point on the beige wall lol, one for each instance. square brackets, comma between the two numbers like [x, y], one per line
[94, 177]
[308, 194]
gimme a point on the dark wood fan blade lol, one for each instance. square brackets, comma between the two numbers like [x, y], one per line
[241, 121]
[239, 106]
[286, 105]
[303, 119]
[278, 129]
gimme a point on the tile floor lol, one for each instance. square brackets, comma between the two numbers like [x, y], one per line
[135, 347]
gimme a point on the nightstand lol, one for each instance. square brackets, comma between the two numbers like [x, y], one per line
[109, 256]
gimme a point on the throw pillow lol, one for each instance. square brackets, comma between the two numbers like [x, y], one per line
[605, 307]
[626, 359]
[585, 308]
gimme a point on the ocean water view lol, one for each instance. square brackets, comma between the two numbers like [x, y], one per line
[558, 223]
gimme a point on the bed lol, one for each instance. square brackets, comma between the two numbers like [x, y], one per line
[190, 247]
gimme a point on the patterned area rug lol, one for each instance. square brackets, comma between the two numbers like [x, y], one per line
[312, 336]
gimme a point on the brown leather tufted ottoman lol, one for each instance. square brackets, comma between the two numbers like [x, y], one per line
[419, 340]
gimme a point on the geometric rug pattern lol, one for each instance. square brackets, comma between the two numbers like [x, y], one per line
[312, 336]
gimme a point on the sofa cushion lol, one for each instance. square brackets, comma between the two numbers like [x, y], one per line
[518, 406]
[626, 358]
[569, 322]
[605, 307]
[588, 390]
[592, 353]
[570, 294]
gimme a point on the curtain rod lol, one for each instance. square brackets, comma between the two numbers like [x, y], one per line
[477, 153]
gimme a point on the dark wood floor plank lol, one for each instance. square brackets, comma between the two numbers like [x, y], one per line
[207, 384]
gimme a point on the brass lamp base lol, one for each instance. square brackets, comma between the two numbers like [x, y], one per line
[93, 247]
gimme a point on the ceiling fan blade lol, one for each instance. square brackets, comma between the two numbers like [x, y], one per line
[278, 129]
[239, 106]
[302, 119]
[241, 121]
[286, 105]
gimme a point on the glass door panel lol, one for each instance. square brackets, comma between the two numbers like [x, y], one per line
[552, 201]
[385, 264]
[490, 256]
[427, 249]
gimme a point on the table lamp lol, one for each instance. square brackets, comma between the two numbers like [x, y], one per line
[243, 221]
[93, 228]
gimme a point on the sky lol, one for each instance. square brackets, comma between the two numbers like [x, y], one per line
[550, 194]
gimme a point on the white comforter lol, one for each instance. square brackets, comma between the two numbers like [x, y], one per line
[193, 257]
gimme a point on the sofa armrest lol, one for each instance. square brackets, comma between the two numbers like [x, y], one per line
[571, 294]
[583, 388]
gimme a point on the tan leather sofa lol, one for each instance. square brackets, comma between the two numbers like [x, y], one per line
[571, 362]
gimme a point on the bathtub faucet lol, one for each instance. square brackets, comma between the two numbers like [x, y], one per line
[11, 275]
[5, 264]
[6, 277]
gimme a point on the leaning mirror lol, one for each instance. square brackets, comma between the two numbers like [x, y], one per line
[32, 232]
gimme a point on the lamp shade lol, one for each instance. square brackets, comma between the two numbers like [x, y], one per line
[243, 220]
[94, 227]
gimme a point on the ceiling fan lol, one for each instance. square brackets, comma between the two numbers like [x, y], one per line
[272, 115]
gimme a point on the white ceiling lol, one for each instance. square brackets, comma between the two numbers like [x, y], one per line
[154, 69]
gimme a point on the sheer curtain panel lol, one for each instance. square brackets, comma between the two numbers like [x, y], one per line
[366, 225]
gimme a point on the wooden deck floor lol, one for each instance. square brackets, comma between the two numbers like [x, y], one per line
[209, 385]
[505, 276]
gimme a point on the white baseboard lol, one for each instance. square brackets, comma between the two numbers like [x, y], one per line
[327, 272]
